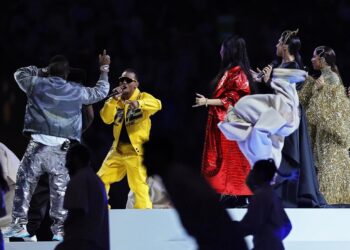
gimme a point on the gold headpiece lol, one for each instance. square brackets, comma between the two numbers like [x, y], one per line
[288, 34]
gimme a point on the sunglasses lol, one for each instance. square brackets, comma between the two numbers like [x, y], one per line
[123, 79]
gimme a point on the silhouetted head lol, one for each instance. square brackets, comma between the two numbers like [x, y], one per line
[78, 157]
[158, 154]
[59, 66]
[262, 173]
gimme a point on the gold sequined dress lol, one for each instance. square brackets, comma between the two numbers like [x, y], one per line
[327, 111]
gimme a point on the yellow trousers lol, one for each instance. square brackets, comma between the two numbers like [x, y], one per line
[122, 160]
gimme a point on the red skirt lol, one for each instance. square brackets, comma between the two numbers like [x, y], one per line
[223, 164]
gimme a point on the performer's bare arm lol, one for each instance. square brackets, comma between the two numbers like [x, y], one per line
[201, 100]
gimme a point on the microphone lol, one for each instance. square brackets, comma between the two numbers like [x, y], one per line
[117, 91]
[273, 64]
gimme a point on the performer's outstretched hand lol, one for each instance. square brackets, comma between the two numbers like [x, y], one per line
[200, 101]
[104, 59]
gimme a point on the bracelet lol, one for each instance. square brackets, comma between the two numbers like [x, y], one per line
[206, 102]
[104, 68]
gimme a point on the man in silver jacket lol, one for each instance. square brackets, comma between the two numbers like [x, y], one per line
[53, 117]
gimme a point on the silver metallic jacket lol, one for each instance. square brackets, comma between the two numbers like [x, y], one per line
[54, 104]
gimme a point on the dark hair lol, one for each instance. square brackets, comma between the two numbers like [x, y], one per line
[59, 66]
[293, 41]
[131, 70]
[329, 55]
[3, 183]
[78, 156]
[234, 54]
[159, 153]
[264, 170]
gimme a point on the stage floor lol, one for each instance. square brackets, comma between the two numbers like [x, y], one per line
[321, 229]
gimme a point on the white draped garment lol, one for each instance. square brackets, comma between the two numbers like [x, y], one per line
[259, 123]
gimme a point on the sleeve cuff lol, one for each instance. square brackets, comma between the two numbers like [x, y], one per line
[104, 76]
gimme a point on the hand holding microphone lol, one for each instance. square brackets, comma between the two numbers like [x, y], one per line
[265, 73]
[116, 92]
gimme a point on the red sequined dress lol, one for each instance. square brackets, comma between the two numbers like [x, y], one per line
[223, 164]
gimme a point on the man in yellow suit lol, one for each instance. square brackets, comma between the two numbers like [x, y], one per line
[129, 111]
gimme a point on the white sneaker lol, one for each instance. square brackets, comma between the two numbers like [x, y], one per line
[30, 239]
[16, 230]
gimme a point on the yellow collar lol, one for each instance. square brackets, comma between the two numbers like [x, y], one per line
[135, 95]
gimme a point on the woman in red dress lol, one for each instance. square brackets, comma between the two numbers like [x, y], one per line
[223, 164]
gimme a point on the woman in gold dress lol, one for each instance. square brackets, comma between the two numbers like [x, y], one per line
[327, 111]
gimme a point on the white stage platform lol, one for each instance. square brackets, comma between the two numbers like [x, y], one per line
[318, 229]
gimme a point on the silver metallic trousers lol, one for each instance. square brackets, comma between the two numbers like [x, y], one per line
[37, 160]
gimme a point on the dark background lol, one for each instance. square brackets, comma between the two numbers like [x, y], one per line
[174, 45]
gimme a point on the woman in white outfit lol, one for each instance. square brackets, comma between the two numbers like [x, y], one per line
[259, 123]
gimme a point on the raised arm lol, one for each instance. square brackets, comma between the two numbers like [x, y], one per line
[24, 77]
[100, 91]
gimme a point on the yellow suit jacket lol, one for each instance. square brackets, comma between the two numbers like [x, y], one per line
[137, 121]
